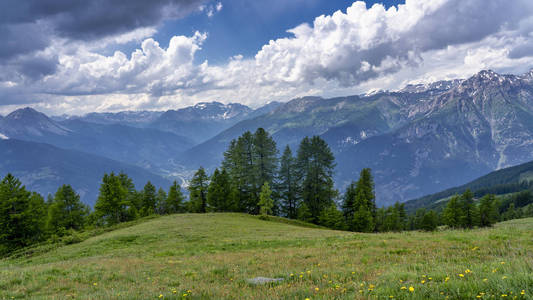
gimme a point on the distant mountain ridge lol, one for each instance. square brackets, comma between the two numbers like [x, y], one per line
[198, 122]
[44, 168]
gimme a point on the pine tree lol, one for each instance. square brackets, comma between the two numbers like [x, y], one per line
[265, 200]
[198, 191]
[488, 212]
[174, 202]
[66, 211]
[22, 215]
[287, 186]
[315, 165]
[149, 200]
[453, 213]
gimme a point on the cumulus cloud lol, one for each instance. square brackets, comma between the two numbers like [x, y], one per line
[348, 52]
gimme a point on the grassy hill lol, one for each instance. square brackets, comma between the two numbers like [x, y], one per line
[504, 181]
[199, 256]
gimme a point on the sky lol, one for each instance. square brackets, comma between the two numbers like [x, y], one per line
[78, 56]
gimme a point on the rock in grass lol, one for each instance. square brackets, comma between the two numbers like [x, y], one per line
[263, 280]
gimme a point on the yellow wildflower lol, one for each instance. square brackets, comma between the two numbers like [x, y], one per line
[292, 275]
[523, 292]
[411, 289]
[467, 271]
[317, 289]
[504, 277]
[403, 288]
[423, 281]
[504, 295]
[160, 295]
[184, 295]
[485, 280]
[461, 275]
[446, 279]
[371, 286]
[95, 284]
[503, 263]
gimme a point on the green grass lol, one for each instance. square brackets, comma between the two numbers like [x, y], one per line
[213, 255]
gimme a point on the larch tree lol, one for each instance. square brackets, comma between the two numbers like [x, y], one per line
[66, 211]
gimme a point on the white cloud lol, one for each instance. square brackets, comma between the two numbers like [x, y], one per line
[347, 52]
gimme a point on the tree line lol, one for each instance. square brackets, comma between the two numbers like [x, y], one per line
[252, 179]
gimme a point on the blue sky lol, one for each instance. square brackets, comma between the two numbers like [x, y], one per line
[244, 26]
[77, 57]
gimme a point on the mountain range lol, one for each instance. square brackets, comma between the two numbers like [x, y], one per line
[418, 140]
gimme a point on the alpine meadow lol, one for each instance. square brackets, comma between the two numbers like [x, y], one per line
[233, 149]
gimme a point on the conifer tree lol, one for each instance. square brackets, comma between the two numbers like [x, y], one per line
[304, 214]
[429, 221]
[174, 202]
[198, 191]
[363, 220]
[315, 164]
[453, 213]
[22, 215]
[220, 195]
[402, 216]
[348, 203]
[161, 198]
[332, 218]
[265, 157]
[364, 205]
[113, 205]
[66, 211]
[488, 211]
[265, 200]
[149, 200]
[470, 214]
[287, 185]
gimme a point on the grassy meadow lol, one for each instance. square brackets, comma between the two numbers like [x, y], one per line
[211, 256]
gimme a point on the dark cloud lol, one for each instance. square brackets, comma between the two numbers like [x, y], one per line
[36, 67]
[20, 39]
[30, 25]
